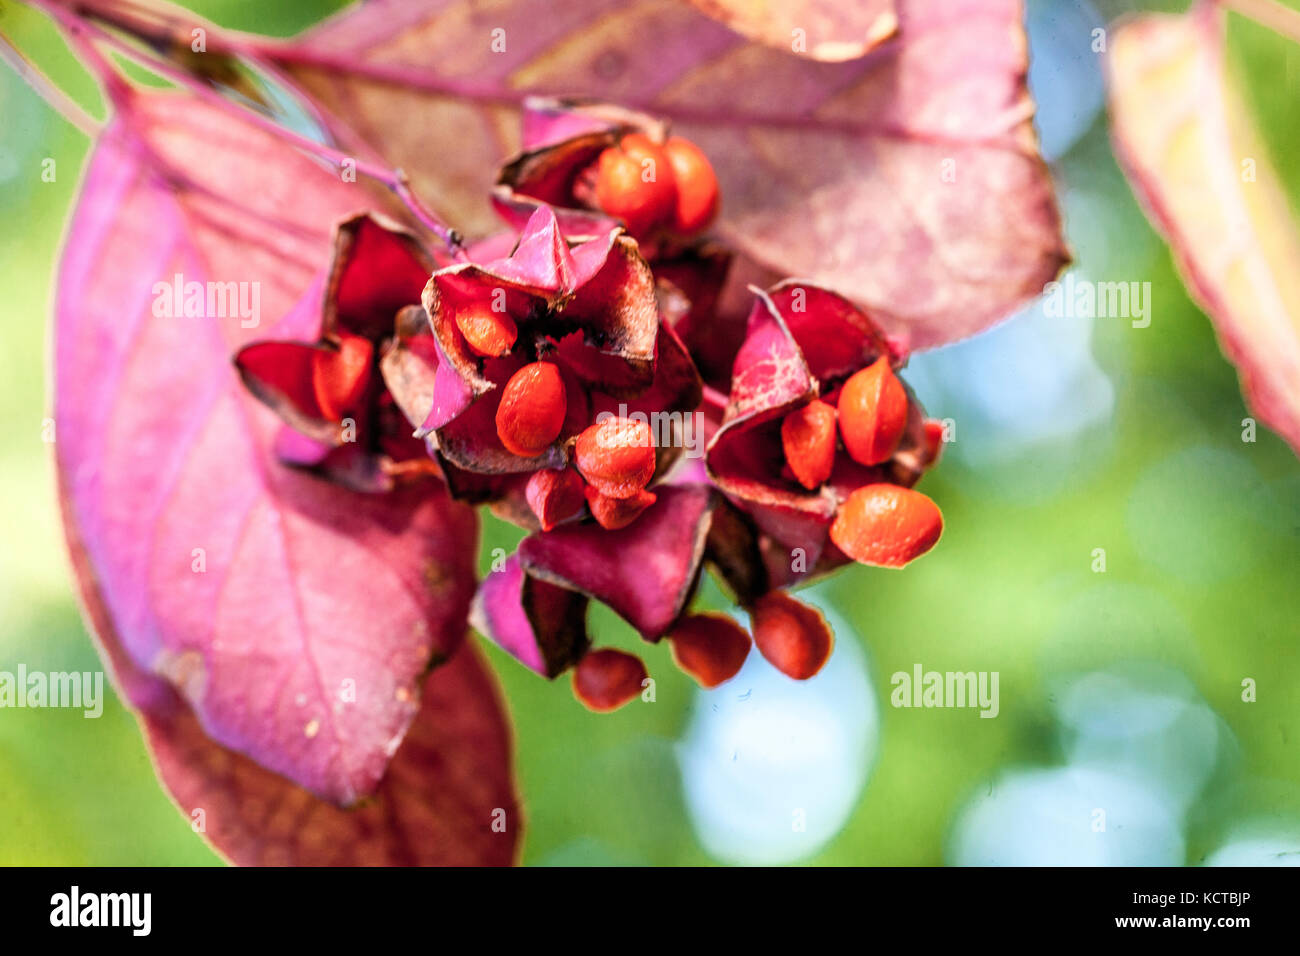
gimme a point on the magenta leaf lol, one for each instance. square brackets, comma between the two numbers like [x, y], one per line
[541, 625]
[296, 619]
[646, 572]
[822, 29]
[1181, 128]
[446, 799]
[908, 179]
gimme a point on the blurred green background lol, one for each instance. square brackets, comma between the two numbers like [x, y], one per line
[1119, 690]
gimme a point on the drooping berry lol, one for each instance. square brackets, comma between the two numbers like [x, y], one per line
[617, 456]
[886, 525]
[487, 332]
[532, 408]
[554, 494]
[607, 679]
[634, 183]
[808, 438]
[873, 413]
[794, 637]
[709, 647]
[339, 378]
[614, 513]
[697, 186]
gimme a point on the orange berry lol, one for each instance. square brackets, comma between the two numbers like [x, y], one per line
[808, 439]
[634, 183]
[487, 332]
[532, 408]
[886, 525]
[614, 513]
[607, 679]
[554, 494]
[697, 186]
[709, 647]
[616, 455]
[339, 377]
[794, 637]
[873, 413]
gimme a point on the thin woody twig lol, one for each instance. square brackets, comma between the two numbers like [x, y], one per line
[394, 180]
[63, 104]
[1281, 20]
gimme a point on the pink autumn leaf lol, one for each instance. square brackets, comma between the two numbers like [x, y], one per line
[822, 29]
[540, 624]
[1181, 128]
[447, 798]
[294, 619]
[646, 572]
[908, 179]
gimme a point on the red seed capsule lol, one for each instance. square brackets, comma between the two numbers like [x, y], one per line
[886, 526]
[617, 456]
[532, 409]
[554, 494]
[873, 413]
[339, 378]
[794, 637]
[614, 513]
[634, 183]
[487, 332]
[808, 438]
[709, 647]
[607, 679]
[697, 186]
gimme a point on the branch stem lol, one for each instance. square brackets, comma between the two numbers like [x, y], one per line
[81, 32]
[1282, 20]
[41, 84]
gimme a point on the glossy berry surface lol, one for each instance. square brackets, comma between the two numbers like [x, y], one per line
[695, 204]
[709, 647]
[886, 525]
[872, 413]
[616, 456]
[634, 183]
[808, 439]
[606, 679]
[339, 378]
[793, 636]
[532, 409]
